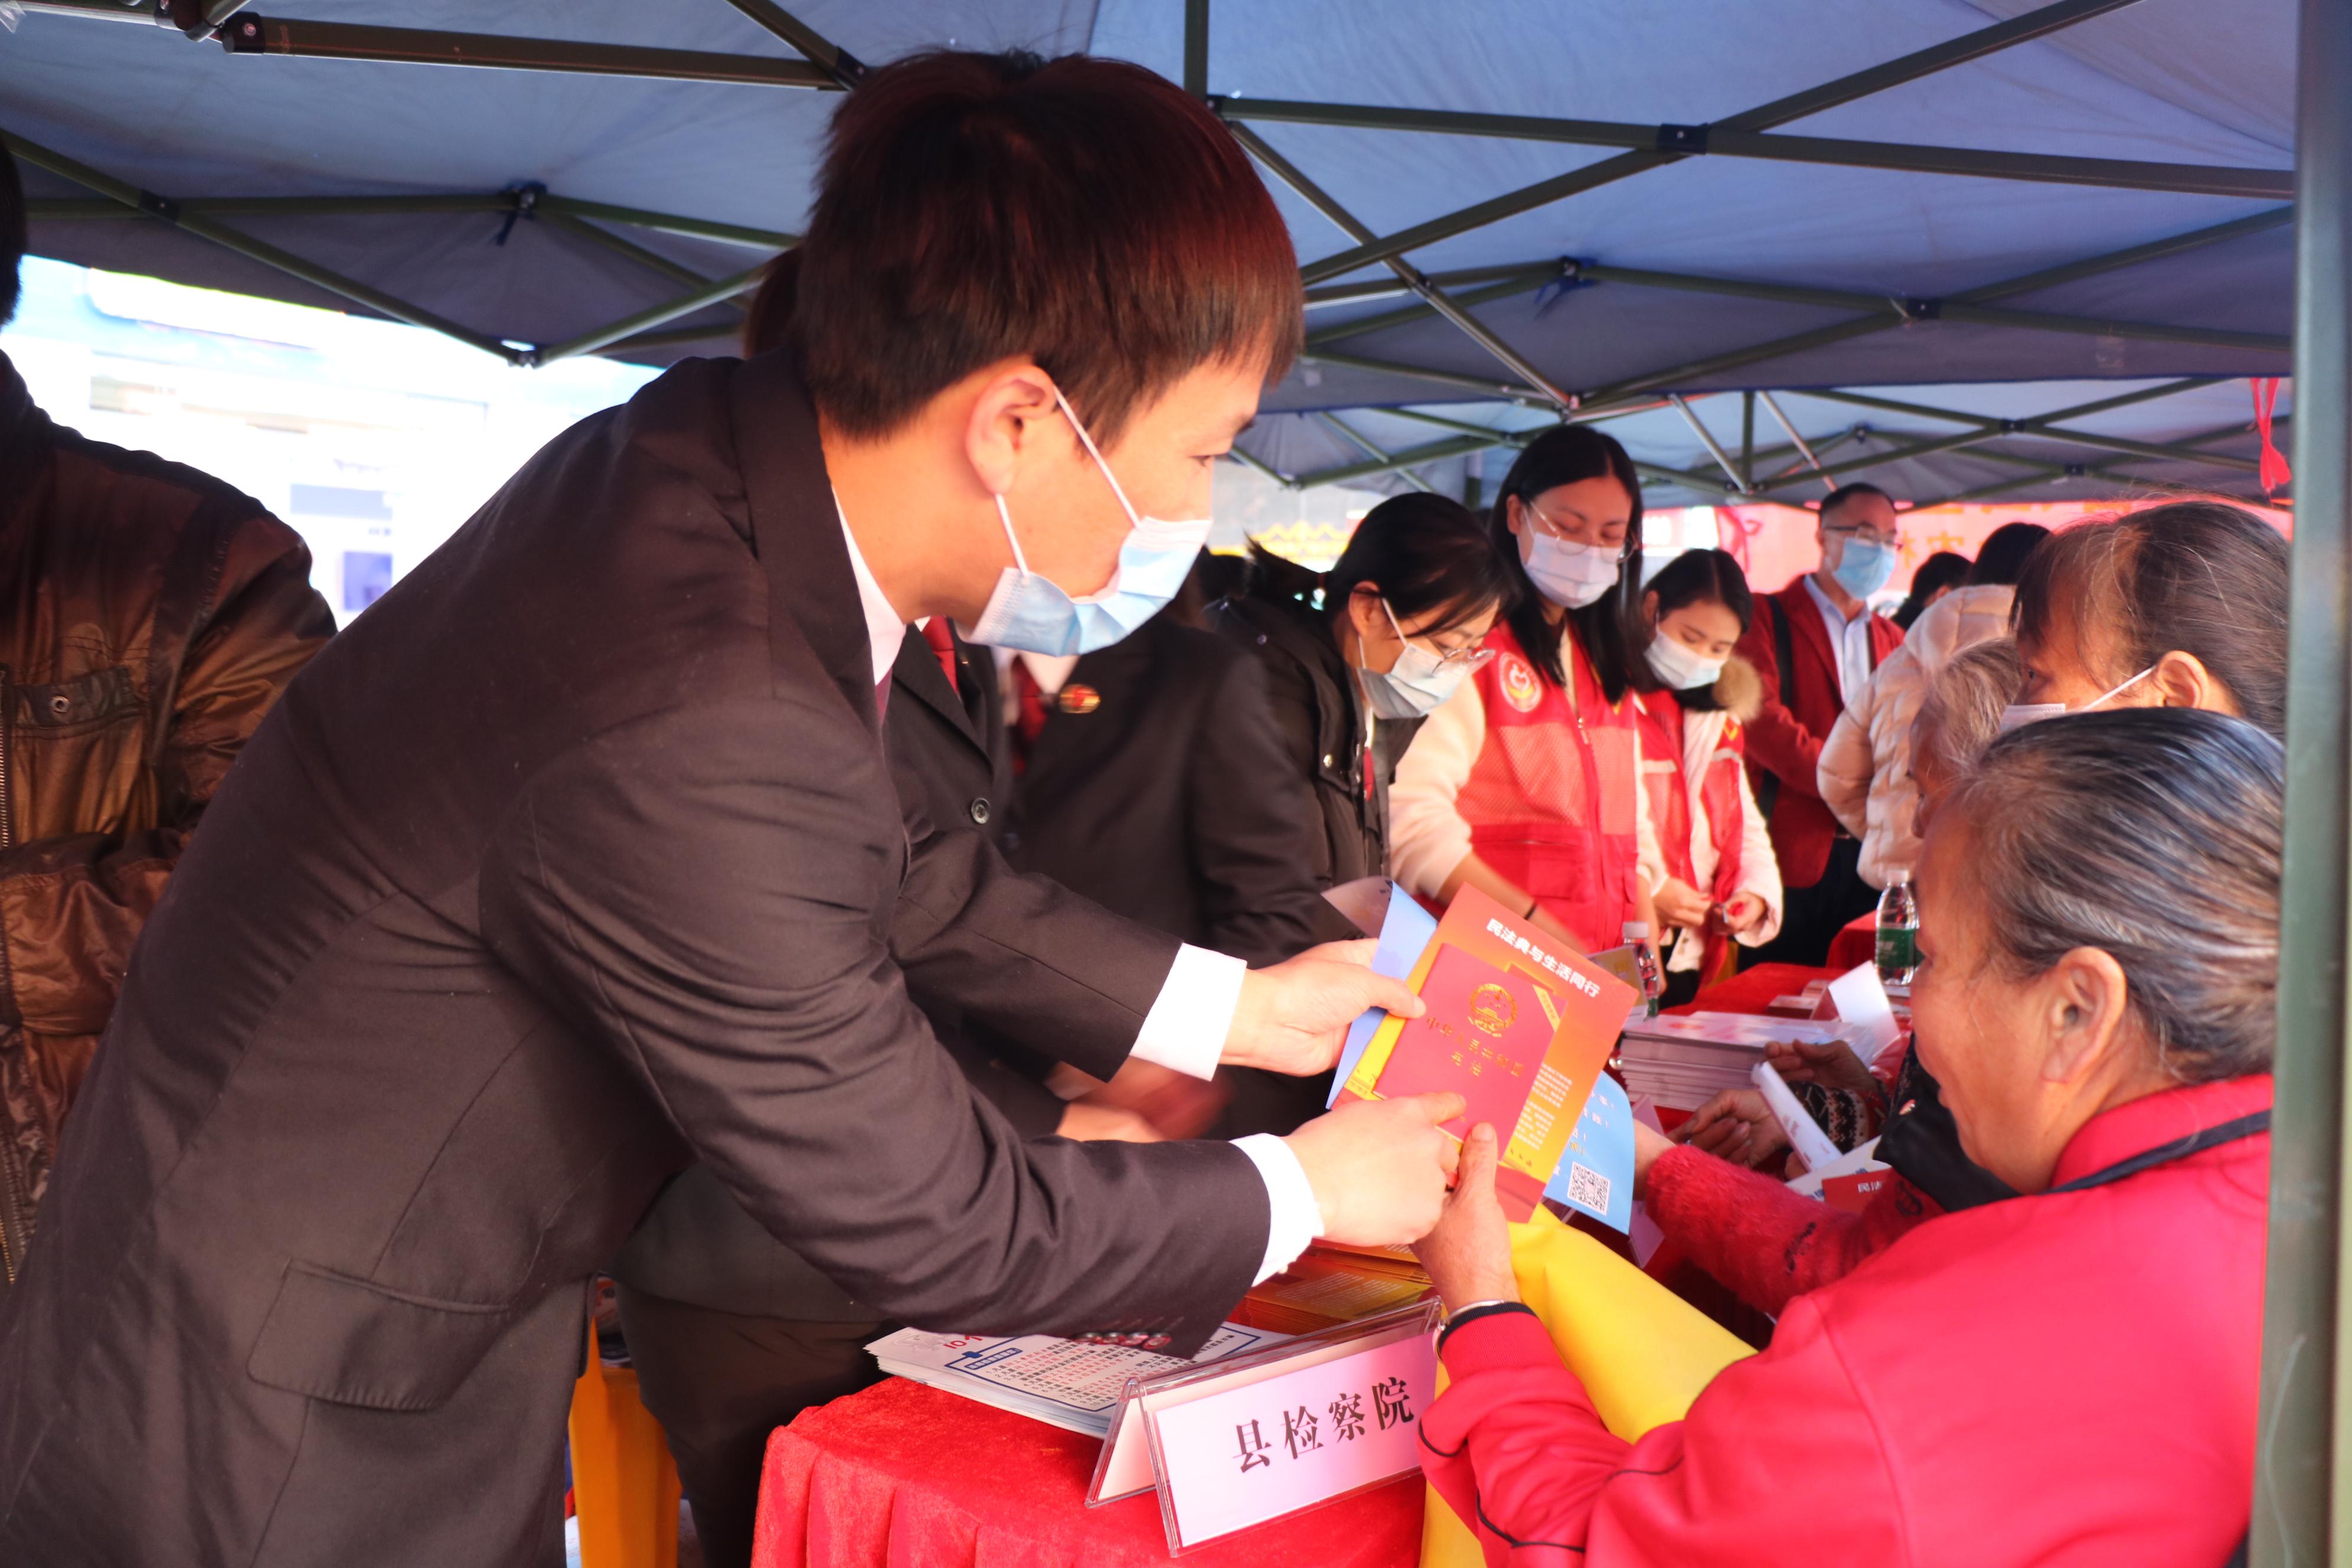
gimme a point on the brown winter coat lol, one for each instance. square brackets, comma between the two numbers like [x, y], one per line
[148, 616]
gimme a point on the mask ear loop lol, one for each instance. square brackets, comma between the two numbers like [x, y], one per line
[2113, 692]
[1088, 442]
[1004, 515]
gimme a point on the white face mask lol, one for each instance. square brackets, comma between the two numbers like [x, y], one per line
[1680, 666]
[1418, 683]
[1565, 572]
[2021, 713]
[1033, 613]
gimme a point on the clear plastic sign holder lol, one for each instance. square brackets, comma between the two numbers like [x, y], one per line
[1273, 1432]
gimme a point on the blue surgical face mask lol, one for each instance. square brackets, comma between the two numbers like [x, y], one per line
[1417, 684]
[1863, 566]
[1034, 614]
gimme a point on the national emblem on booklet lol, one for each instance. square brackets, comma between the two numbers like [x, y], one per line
[1520, 1031]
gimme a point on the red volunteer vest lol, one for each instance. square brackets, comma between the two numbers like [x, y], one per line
[1666, 775]
[1551, 798]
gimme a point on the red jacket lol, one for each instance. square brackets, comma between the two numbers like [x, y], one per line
[1785, 739]
[1764, 1243]
[2063, 1379]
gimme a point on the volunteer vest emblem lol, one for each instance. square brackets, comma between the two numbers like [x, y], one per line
[1520, 688]
[1492, 1010]
[1077, 698]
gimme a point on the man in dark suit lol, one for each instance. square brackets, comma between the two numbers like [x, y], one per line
[578, 859]
[732, 1332]
[1815, 643]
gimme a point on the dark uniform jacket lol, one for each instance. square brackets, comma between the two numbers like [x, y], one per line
[149, 616]
[1312, 695]
[576, 858]
[949, 759]
[1157, 787]
[1160, 786]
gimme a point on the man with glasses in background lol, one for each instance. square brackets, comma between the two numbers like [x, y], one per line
[1816, 642]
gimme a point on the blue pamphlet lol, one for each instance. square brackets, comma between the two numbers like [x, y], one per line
[1405, 929]
[1596, 1173]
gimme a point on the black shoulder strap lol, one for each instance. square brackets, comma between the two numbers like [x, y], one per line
[1784, 659]
[1784, 648]
[2179, 1148]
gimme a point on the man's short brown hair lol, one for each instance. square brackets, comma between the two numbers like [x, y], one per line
[1083, 212]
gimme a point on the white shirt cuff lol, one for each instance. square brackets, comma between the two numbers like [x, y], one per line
[1294, 1217]
[1185, 1030]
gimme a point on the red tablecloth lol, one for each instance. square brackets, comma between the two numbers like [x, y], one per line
[1752, 990]
[902, 1476]
[1855, 943]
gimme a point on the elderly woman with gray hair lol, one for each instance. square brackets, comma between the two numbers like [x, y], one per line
[2065, 1377]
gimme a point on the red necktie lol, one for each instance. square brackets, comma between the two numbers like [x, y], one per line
[935, 632]
[1030, 722]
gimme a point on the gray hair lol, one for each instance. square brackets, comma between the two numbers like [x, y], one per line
[1960, 715]
[2155, 835]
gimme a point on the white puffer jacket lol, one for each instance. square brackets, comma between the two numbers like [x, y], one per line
[1865, 767]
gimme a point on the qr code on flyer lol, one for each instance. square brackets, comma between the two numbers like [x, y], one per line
[1588, 1188]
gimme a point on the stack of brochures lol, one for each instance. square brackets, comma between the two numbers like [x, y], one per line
[1070, 1384]
[1682, 1061]
[1330, 1285]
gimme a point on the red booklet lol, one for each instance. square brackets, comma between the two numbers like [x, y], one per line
[1484, 1038]
[1519, 1030]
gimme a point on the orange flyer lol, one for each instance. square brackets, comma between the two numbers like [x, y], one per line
[1474, 1038]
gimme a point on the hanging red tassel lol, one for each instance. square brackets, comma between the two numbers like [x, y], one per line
[1734, 530]
[2276, 474]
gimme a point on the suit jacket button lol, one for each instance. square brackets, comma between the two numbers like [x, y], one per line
[980, 812]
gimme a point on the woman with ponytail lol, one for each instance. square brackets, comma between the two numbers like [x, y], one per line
[1722, 882]
[1356, 655]
[1527, 783]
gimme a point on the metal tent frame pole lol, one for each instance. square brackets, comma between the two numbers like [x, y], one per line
[2301, 1466]
[1984, 41]
[826, 66]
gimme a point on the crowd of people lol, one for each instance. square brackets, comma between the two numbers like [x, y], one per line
[823, 848]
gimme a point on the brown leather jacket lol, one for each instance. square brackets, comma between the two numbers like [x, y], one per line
[148, 616]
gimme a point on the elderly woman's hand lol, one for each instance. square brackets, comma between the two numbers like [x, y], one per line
[1468, 1256]
[1829, 1063]
[1737, 1126]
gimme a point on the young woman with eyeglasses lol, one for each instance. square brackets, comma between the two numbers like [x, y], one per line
[1356, 655]
[1527, 783]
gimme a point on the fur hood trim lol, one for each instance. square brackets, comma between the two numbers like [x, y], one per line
[1739, 690]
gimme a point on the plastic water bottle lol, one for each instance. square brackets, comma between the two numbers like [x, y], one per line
[1645, 961]
[1899, 932]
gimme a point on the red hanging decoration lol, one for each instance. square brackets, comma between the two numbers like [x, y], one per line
[2275, 475]
[1734, 530]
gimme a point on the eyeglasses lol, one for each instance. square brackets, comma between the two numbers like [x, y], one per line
[1856, 530]
[1560, 532]
[1469, 656]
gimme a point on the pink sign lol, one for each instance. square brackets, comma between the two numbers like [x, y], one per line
[1244, 1455]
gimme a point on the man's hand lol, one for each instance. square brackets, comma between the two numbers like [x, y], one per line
[1293, 1016]
[1105, 1124]
[1737, 1126]
[1468, 1253]
[1379, 1167]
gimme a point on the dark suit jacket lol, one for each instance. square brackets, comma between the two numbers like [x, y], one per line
[574, 858]
[949, 759]
[1801, 707]
[1160, 786]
